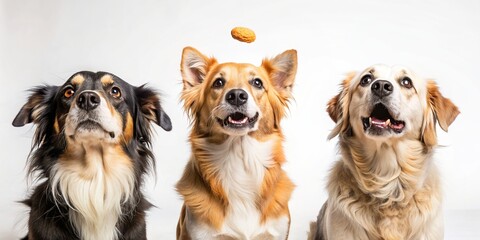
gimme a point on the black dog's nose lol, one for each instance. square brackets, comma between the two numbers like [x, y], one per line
[88, 101]
[382, 88]
[237, 97]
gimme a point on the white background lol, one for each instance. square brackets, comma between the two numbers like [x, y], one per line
[141, 41]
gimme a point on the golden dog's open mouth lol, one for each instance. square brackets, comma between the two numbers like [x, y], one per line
[238, 120]
[381, 119]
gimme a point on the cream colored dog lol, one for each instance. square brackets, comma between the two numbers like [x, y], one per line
[385, 186]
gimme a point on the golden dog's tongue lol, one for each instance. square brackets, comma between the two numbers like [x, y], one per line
[239, 121]
[237, 118]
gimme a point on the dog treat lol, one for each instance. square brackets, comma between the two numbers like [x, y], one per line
[243, 34]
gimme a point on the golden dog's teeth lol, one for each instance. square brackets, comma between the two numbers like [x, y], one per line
[369, 121]
[387, 122]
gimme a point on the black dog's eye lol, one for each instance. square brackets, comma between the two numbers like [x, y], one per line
[367, 79]
[406, 82]
[218, 83]
[257, 82]
[68, 92]
[115, 92]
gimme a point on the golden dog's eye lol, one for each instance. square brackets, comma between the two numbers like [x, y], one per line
[218, 83]
[68, 92]
[115, 92]
[406, 82]
[257, 82]
[367, 79]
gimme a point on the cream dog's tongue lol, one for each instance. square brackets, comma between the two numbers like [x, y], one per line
[387, 123]
[380, 123]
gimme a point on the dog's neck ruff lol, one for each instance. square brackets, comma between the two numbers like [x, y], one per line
[240, 154]
[390, 191]
[388, 171]
[94, 180]
[239, 164]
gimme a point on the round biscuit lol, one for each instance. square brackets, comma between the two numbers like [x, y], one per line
[243, 34]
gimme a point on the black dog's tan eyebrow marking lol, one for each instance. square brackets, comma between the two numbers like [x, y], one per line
[78, 79]
[106, 80]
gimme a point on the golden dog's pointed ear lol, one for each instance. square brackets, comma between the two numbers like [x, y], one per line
[337, 107]
[194, 67]
[281, 70]
[440, 109]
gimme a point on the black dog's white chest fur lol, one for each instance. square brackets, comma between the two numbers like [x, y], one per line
[95, 185]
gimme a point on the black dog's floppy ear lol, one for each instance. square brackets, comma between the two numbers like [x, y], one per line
[151, 108]
[35, 107]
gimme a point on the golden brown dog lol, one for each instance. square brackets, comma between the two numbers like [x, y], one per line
[233, 186]
[385, 186]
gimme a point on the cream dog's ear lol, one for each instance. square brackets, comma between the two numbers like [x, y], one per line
[281, 70]
[439, 109]
[338, 106]
[194, 67]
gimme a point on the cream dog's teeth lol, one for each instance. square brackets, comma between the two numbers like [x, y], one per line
[387, 122]
[369, 121]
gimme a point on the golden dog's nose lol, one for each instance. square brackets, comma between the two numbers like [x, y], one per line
[236, 97]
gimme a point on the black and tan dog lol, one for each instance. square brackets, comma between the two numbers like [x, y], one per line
[91, 150]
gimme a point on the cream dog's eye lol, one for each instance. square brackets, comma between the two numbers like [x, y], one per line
[367, 79]
[406, 82]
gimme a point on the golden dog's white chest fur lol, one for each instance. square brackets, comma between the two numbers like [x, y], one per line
[240, 163]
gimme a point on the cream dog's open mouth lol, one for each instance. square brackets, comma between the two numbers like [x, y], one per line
[238, 120]
[381, 119]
